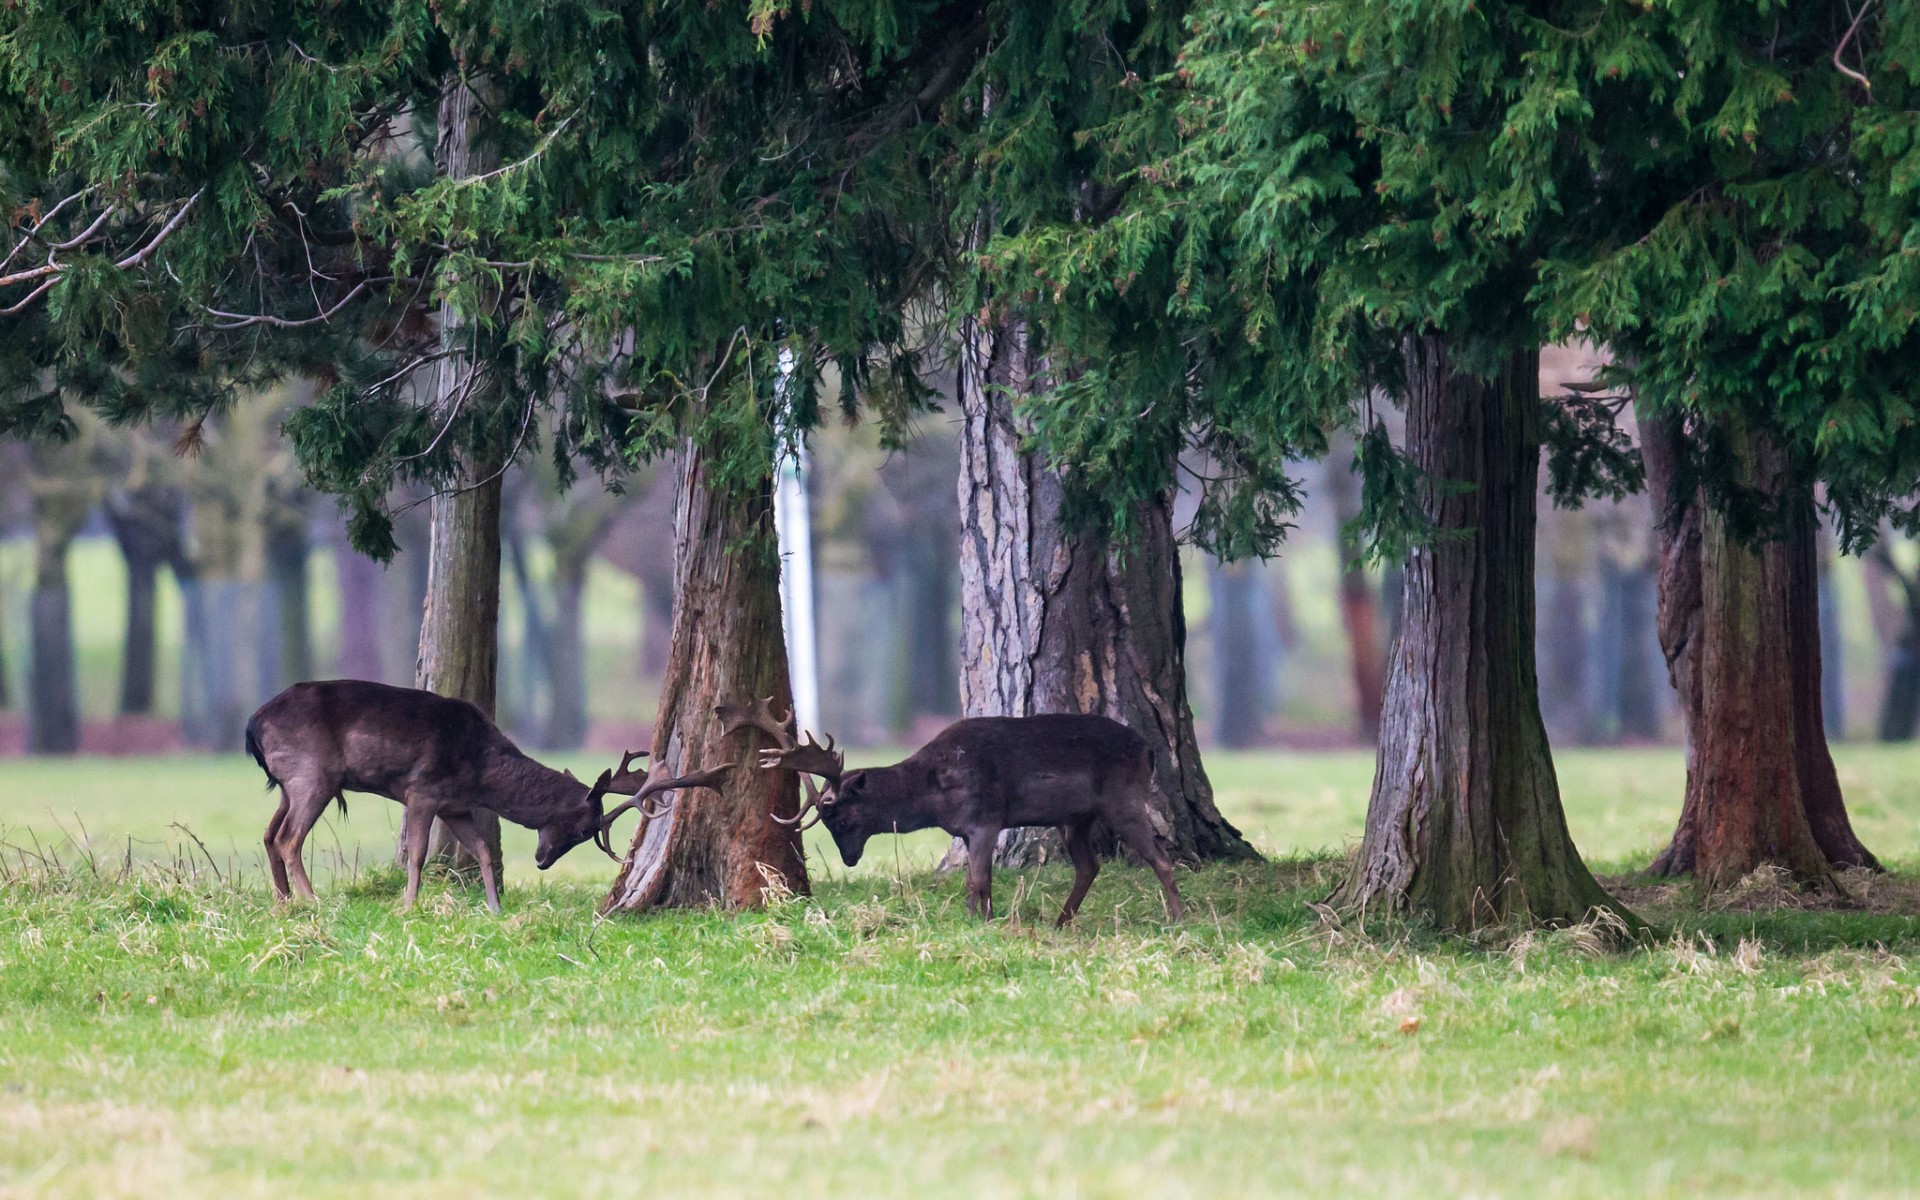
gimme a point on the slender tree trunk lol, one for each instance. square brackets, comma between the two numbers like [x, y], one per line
[146, 524]
[1241, 716]
[1465, 825]
[1740, 628]
[293, 632]
[718, 847]
[566, 657]
[460, 623]
[1060, 623]
[60, 506]
[1359, 603]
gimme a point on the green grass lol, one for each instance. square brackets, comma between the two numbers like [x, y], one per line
[167, 1032]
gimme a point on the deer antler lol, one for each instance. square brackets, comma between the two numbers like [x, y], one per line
[788, 753]
[655, 782]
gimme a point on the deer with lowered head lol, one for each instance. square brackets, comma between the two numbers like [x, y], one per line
[440, 758]
[980, 776]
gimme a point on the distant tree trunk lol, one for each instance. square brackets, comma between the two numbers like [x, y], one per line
[61, 501]
[567, 723]
[1465, 825]
[1900, 706]
[1359, 603]
[718, 847]
[933, 683]
[460, 623]
[292, 630]
[1833, 692]
[1240, 722]
[535, 677]
[362, 614]
[1761, 787]
[1059, 623]
[1640, 706]
[146, 524]
[1565, 668]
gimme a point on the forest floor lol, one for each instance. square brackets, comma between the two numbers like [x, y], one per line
[165, 1030]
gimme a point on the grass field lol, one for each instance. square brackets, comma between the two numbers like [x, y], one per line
[167, 1031]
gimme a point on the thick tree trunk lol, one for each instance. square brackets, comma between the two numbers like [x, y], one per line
[460, 623]
[718, 847]
[1740, 628]
[1465, 826]
[1059, 623]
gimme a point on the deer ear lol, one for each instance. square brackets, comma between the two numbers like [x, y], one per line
[569, 774]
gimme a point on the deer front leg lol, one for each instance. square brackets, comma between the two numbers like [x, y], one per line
[980, 844]
[414, 831]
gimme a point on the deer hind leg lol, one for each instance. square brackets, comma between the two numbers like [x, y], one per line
[1133, 829]
[980, 846]
[275, 863]
[415, 829]
[1079, 841]
[469, 836]
[306, 800]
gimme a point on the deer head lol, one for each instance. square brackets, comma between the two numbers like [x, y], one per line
[643, 788]
[809, 759]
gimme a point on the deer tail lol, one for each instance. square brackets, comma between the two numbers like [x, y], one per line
[259, 755]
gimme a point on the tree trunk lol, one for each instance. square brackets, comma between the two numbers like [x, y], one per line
[1059, 623]
[146, 524]
[1566, 670]
[1637, 702]
[1739, 625]
[60, 482]
[292, 630]
[718, 847]
[1240, 718]
[566, 655]
[362, 614]
[1359, 603]
[1465, 826]
[460, 623]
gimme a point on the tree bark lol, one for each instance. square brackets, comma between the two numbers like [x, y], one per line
[1739, 625]
[1054, 622]
[718, 847]
[1465, 826]
[460, 623]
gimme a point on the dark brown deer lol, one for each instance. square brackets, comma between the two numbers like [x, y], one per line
[439, 758]
[977, 777]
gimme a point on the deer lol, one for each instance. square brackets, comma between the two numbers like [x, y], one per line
[439, 758]
[975, 778]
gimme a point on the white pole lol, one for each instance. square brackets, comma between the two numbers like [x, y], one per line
[794, 524]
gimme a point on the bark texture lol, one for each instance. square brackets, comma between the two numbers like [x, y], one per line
[1739, 625]
[1465, 825]
[460, 621]
[1056, 623]
[718, 847]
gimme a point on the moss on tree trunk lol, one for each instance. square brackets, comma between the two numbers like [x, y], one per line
[1465, 826]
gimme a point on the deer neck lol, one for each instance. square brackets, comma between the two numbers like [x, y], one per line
[530, 793]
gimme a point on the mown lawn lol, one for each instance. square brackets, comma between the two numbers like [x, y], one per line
[164, 1031]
